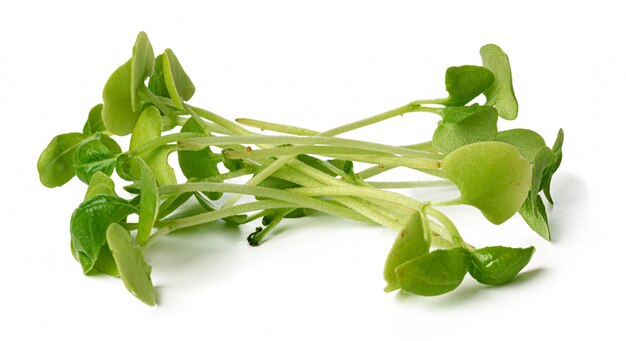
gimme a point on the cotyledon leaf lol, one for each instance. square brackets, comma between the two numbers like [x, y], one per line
[90, 221]
[412, 241]
[178, 83]
[149, 203]
[118, 115]
[497, 265]
[134, 270]
[435, 273]
[492, 176]
[527, 141]
[464, 83]
[481, 126]
[142, 66]
[500, 94]
[94, 122]
[56, 163]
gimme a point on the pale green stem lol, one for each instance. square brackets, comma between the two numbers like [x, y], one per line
[276, 127]
[203, 142]
[410, 184]
[449, 225]
[298, 200]
[360, 192]
[168, 226]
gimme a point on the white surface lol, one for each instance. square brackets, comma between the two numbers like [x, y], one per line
[317, 65]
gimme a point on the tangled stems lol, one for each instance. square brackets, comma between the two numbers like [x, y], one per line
[499, 173]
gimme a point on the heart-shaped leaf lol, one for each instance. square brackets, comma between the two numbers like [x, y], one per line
[481, 126]
[56, 162]
[500, 94]
[89, 224]
[149, 126]
[492, 176]
[142, 66]
[198, 164]
[497, 265]
[412, 241]
[464, 83]
[435, 273]
[134, 270]
[527, 141]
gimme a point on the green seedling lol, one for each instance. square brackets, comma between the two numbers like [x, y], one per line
[299, 173]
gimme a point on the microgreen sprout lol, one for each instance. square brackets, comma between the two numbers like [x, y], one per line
[298, 173]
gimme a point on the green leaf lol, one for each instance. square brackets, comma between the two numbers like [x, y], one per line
[156, 84]
[534, 213]
[142, 66]
[492, 176]
[179, 85]
[546, 179]
[94, 156]
[527, 141]
[149, 126]
[412, 241]
[105, 263]
[149, 204]
[172, 203]
[118, 115]
[497, 265]
[231, 164]
[481, 126]
[100, 183]
[500, 94]
[94, 122]
[56, 162]
[458, 114]
[464, 83]
[435, 273]
[198, 164]
[134, 270]
[90, 221]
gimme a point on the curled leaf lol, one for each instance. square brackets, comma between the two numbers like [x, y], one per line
[94, 122]
[142, 66]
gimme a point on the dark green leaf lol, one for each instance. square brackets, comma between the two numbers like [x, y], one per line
[134, 270]
[482, 126]
[149, 204]
[90, 221]
[464, 83]
[412, 241]
[527, 141]
[546, 179]
[492, 176]
[497, 265]
[94, 122]
[435, 273]
[172, 203]
[231, 164]
[156, 84]
[534, 213]
[56, 162]
[500, 94]
[142, 65]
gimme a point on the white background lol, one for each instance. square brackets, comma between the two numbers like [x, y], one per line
[317, 65]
